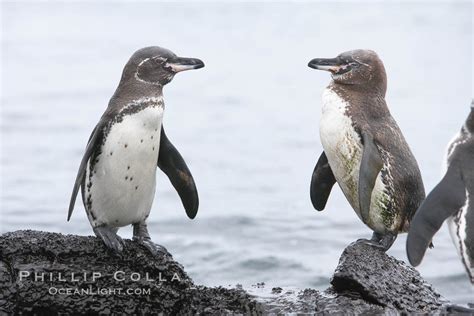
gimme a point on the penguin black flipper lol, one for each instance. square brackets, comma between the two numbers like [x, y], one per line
[370, 166]
[172, 164]
[445, 200]
[322, 182]
[91, 146]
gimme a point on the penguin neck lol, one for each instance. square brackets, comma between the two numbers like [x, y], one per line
[371, 91]
[130, 91]
[361, 100]
[469, 125]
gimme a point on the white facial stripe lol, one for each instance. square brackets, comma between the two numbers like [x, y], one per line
[148, 82]
[178, 67]
[159, 58]
[143, 61]
[357, 60]
[140, 79]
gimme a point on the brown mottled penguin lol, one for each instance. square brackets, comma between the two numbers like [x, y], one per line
[364, 150]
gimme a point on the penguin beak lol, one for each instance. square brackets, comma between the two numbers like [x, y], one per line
[178, 64]
[328, 64]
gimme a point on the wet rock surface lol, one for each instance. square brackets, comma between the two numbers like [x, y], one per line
[34, 266]
[310, 301]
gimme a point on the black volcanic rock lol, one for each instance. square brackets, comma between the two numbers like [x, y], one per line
[390, 283]
[367, 281]
[36, 271]
[157, 284]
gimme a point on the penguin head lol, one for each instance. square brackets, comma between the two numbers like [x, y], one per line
[157, 66]
[469, 125]
[359, 67]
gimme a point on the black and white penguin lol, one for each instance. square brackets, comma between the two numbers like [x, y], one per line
[117, 174]
[364, 149]
[451, 199]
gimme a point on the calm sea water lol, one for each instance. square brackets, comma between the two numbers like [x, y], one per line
[247, 124]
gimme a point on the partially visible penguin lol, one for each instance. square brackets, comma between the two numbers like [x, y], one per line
[364, 150]
[117, 174]
[451, 199]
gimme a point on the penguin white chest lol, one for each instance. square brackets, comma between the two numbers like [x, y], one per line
[343, 148]
[121, 187]
[342, 145]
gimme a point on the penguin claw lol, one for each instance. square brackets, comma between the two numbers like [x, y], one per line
[383, 242]
[110, 238]
[141, 236]
[372, 243]
[116, 245]
[155, 249]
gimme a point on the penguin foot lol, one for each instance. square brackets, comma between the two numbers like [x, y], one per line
[141, 236]
[154, 249]
[383, 242]
[110, 238]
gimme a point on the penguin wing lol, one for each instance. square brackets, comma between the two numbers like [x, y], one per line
[91, 145]
[370, 167]
[322, 182]
[172, 164]
[445, 200]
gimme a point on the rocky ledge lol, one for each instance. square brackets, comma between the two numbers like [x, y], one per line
[42, 273]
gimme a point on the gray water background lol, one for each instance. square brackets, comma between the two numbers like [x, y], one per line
[247, 123]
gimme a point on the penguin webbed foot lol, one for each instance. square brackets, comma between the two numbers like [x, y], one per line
[381, 241]
[141, 236]
[154, 249]
[110, 238]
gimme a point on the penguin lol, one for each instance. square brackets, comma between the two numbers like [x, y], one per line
[364, 149]
[117, 174]
[451, 200]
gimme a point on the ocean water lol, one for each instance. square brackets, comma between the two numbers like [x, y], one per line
[247, 123]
